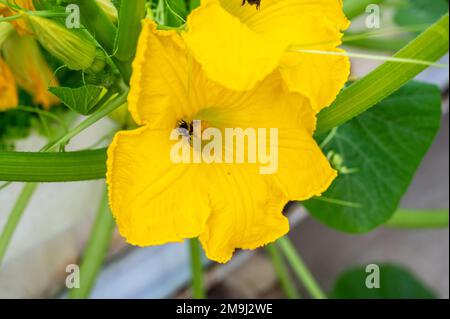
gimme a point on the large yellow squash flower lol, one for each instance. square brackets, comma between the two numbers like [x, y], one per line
[8, 90]
[228, 206]
[239, 45]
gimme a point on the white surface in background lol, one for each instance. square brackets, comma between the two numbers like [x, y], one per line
[54, 213]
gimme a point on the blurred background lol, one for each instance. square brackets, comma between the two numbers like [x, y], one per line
[56, 225]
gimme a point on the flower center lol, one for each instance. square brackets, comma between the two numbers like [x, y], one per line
[192, 128]
[186, 126]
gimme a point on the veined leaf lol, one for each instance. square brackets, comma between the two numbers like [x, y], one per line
[176, 12]
[394, 283]
[377, 154]
[81, 100]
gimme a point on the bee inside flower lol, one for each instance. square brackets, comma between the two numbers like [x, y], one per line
[252, 2]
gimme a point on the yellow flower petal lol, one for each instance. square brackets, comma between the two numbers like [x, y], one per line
[154, 200]
[158, 94]
[246, 211]
[23, 56]
[238, 45]
[229, 51]
[8, 90]
[318, 77]
[303, 170]
[228, 205]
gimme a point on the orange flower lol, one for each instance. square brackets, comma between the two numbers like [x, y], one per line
[20, 24]
[31, 72]
[8, 90]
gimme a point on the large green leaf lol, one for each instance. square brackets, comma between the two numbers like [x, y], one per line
[81, 100]
[176, 12]
[394, 283]
[377, 154]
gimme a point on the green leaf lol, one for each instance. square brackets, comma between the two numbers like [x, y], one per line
[395, 283]
[420, 12]
[81, 100]
[176, 12]
[377, 154]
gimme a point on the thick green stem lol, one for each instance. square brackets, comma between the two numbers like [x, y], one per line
[430, 46]
[419, 219]
[131, 14]
[282, 272]
[300, 269]
[124, 69]
[196, 269]
[96, 250]
[15, 216]
[53, 167]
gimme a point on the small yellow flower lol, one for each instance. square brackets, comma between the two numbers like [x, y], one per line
[31, 72]
[8, 90]
[226, 205]
[239, 45]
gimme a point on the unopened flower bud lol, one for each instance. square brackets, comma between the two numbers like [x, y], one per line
[5, 31]
[99, 62]
[76, 51]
